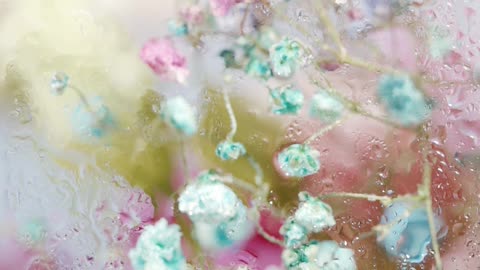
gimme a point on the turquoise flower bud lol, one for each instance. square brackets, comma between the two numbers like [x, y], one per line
[293, 234]
[158, 247]
[178, 114]
[319, 255]
[404, 103]
[299, 160]
[284, 57]
[409, 235]
[217, 236]
[219, 216]
[258, 68]
[59, 83]
[313, 214]
[209, 200]
[177, 28]
[286, 100]
[92, 120]
[33, 231]
[325, 107]
[228, 150]
[228, 58]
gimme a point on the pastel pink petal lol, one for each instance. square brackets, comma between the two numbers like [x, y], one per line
[222, 7]
[164, 59]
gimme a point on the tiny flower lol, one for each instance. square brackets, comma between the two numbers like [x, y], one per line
[158, 247]
[408, 234]
[293, 234]
[284, 57]
[218, 236]
[178, 114]
[164, 59]
[299, 160]
[177, 28]
[404, 103]
[286, 100]
[221, 8]
[228, 150]
[33, 231]
[92, 119]
[258, 68]
[313, 214]
[59, 83]
[192, 14]
[228, 58]
[209, 200]
[219, 217]
[319, 255]
[325, 107]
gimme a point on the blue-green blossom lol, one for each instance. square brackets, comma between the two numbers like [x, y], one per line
[177, 28]
[313, 214]
[228, 58]
[408, 234]
[180, 115]
[33, 231]
[325, 255]
[209, 200]
[293, 234]
[284, 57]
[228, 150]
[158, 247]
[217, 236]
[93, 119]
[299, 160]
[59, 83]
[325, 107]
[219, 216]
[404, 103]
[286, 100]
[258, 68]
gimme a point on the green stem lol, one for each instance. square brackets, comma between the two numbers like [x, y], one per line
[82, 97]
[342, 55]
[385, 200]
[426, 191]
[267, 236]
[240, 184]
[231, 114]
[353, 106]
[186, 170]
[262, 231]
[374, 67]
[331, 31]
[324, 130]
[362, 112]
[258, 171]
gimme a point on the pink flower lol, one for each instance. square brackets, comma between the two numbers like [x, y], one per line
[192, 14]
[222, 7]
[164, 59]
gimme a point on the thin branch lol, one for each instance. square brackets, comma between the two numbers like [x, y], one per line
[385, 200]
[244, 19]
[331, 31]
[324, 130]
[267, 236]
[425, 190]
[231, 114]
